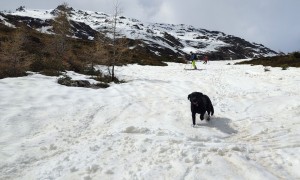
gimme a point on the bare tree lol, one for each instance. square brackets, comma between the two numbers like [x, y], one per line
[119, 43]
[61, 27]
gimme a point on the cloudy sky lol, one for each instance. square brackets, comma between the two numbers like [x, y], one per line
[273, 23]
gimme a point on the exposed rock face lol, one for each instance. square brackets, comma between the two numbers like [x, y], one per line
[162, 40]
[83, 31]
[34, 23]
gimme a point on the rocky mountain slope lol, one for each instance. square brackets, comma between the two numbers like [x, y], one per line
[158, 39]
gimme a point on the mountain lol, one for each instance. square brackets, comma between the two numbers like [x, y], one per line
[159, 39]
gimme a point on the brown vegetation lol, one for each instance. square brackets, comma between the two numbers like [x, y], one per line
[13, 62]
[284, 61]
[24, 49]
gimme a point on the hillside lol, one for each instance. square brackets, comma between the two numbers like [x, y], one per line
[164, 41]
[284, 61]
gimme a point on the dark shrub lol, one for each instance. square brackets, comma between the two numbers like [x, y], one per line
[296, 54]
[92, 71]
[267, 69]
[102, 85]
[284, 67]
[8, 71]
[103, 78]
[37, 65]
[75, 65]
[51, 72]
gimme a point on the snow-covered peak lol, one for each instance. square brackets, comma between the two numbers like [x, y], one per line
[34, 13]
[159, 37]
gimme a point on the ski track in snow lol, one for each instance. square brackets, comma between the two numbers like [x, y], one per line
[142, 129]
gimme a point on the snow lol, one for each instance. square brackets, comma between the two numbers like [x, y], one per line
[45, 29]
[142, 129]
[35, 13]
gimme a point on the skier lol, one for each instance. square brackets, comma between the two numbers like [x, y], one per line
[193, 58]
[205, 60]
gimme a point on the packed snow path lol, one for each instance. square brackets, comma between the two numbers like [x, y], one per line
[142, 129]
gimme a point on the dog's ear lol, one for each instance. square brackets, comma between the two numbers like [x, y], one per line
[189, 96]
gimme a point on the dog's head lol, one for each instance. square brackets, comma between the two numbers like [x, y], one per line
[195, 98]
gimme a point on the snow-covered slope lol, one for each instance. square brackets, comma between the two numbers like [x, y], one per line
[142, 129]
[159, 38]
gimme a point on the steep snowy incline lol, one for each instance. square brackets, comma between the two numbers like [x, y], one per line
[142, 129]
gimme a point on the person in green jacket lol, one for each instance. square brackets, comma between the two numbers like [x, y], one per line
[193, 59]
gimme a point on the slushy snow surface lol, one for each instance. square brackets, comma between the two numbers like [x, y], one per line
[142, 129]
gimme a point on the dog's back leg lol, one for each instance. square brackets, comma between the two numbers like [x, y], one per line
[202, 116]
[208, 118]
[208, 111]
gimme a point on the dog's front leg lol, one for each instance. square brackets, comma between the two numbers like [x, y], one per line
[202, 116]
[194, 118]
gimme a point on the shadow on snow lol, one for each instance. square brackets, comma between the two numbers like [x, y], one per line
[222, 124]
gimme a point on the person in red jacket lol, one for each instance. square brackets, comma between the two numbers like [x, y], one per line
[205, 60]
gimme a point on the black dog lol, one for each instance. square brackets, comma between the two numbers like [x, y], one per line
[200, 103]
